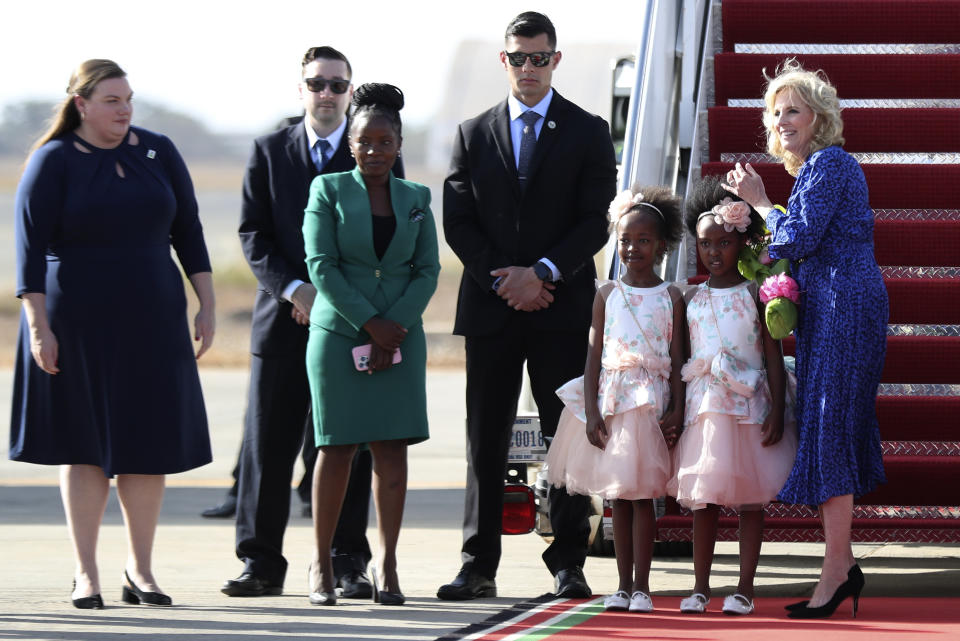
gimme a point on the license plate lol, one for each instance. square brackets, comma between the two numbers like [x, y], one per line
[526, 442]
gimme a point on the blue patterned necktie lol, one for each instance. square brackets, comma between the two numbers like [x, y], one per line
[528, 140]
[319, 153]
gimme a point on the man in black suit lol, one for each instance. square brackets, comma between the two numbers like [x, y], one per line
[275, 190]
[525, 209]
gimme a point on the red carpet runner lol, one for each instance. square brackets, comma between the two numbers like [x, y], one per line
[878, 619]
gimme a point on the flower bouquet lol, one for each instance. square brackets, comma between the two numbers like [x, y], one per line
[778, 290]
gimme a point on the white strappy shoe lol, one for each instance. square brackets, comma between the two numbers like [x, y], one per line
[617, 601]
[696, 603]
[640, 602]
[737, 604]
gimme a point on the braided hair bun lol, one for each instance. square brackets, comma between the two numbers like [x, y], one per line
[378, 99]
[378, 94]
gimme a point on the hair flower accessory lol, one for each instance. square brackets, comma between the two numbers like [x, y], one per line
[624, 202]
[417, 214]
[732, 214]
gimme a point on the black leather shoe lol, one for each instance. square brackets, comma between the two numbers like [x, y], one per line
[134, 595]
[354, 585]
[225, 510]
[93, 602]
[571, 584]
[248, 584]
[468, 585]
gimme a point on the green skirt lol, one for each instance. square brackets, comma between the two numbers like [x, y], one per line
[350, 406]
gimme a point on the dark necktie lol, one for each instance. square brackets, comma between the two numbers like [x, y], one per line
[528, 140]
[320, 149]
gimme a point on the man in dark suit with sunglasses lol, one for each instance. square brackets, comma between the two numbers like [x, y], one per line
[525, 209]
[275, 190]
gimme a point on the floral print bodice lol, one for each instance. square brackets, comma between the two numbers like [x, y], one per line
[725, 373]
[635, 361]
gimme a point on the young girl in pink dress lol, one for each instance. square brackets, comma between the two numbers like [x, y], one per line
[616, 445]
[734, 450]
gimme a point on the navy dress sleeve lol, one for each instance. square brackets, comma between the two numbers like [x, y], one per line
[39, 202]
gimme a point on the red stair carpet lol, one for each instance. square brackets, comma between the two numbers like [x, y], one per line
[896, 66]
[879, 619]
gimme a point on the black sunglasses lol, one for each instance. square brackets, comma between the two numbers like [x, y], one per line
[316, 85]
[537, 59]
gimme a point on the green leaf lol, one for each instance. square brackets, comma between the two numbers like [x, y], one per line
[782, 266]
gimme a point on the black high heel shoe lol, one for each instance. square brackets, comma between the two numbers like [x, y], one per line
[851, 573]
[93, 602]
[319, 597]
[851, 587]
[133, 595]
[385, 598]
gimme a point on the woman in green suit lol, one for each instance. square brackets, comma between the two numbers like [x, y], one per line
[371, 246]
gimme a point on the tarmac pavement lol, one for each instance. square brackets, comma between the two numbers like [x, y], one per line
[193, 556]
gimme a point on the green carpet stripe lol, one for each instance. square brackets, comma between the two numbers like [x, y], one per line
[560, 622]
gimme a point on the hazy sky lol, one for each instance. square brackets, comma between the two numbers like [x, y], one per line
[235, 65]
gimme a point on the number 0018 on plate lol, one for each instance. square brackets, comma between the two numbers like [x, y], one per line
[526, 443]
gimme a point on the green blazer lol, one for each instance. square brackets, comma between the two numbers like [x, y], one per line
[353, 285]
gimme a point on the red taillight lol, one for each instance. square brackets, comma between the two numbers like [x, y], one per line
[519, 509]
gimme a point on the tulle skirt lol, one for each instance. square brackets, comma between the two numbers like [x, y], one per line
[634, 465]
[718, 460]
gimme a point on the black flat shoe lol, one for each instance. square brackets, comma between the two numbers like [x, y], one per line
[849, 588]
[133, 595]
[385, 598]
[94, 602]
[467, 585]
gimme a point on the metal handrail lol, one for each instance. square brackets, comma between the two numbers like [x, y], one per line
[652, 132]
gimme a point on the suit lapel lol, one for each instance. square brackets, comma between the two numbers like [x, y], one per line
[299, 153]
[548, 135]
[402, 206]
[500, 128]
[358, 216]
[341, 159]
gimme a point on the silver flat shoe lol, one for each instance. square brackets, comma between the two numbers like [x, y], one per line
[696, 603]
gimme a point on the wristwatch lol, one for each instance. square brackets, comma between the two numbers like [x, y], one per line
[542, 271]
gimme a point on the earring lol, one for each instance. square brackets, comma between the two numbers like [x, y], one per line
[83, 115]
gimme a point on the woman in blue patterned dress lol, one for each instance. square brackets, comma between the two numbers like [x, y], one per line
[826, 231]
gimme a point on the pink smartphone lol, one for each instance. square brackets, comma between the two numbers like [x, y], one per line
[361, 357]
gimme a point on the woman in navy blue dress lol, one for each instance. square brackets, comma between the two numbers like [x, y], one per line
[826, 231]
[106, 379]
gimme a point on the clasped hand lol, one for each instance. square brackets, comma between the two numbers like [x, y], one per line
[522, 289]
[386, 336]
[302, 299]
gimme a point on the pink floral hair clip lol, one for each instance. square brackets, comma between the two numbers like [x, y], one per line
[732, 214]
[625, 201]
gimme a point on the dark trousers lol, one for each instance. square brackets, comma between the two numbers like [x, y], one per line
[309, 456]
[494, 376]
[278, 411]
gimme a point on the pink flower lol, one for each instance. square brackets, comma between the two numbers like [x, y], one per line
[732, 214]
[779, 286]
[624, 202]
[764, 257]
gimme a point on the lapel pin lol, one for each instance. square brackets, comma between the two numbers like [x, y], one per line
[551, 124]
[151, 154]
